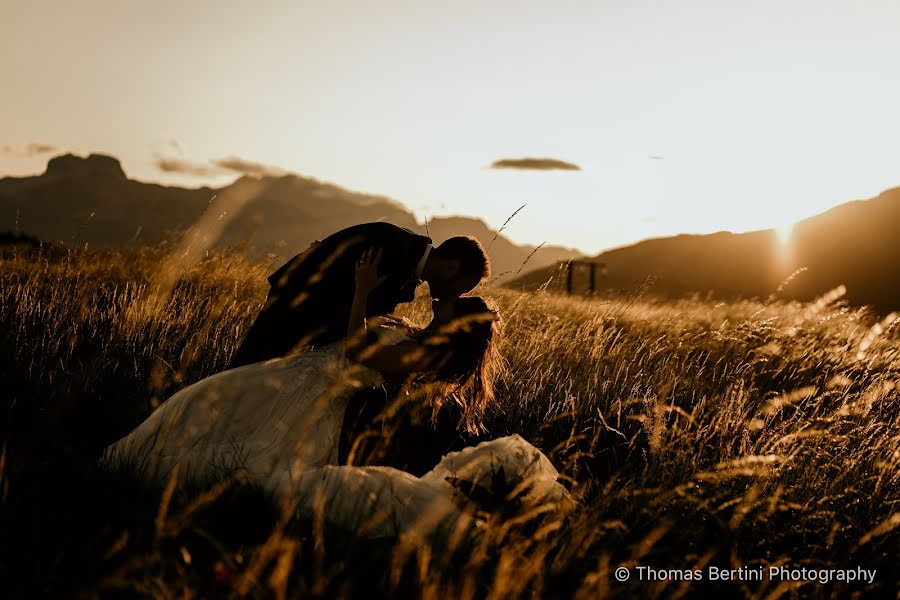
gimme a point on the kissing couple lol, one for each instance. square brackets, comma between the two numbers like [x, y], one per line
[323, 342]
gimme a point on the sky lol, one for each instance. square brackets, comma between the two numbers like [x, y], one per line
[681, 116]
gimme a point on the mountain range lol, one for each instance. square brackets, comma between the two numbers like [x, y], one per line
[855, 245]
[80, 200]
[91, 200]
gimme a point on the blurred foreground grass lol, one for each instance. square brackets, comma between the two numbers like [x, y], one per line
[692, 433]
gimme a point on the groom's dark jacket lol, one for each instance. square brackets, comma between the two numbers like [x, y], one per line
[311, 296]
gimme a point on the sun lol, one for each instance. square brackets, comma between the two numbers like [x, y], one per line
[783, 234]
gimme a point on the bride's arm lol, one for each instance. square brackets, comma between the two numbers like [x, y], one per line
[367, 279]
[394, 359]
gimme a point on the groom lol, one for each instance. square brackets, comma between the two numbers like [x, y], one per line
[311, 296]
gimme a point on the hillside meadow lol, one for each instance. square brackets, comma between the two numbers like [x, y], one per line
[692, 434]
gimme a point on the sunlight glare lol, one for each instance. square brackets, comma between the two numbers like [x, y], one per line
[783, 234]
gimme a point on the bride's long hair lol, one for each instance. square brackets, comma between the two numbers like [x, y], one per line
[466, 361]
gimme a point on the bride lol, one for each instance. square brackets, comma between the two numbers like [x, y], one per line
[277, 423]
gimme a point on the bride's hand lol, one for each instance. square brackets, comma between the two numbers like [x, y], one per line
[367, 278]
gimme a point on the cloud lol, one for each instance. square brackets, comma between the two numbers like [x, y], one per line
[36, 148]
[31, 149]
[246, 167]
[535, 164]
[214, 168]
[186, 167]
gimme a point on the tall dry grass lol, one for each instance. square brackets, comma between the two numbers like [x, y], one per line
[692, 433]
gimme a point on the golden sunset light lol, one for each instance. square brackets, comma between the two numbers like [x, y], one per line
[764, 112]
[423, 299]
[783, 233]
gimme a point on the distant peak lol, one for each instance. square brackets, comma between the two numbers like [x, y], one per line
[460, 220]
[94, 165]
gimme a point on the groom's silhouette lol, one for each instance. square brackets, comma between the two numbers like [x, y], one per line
[311, 295]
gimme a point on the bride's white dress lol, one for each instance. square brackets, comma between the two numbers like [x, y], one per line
[278, 422]
[262, 419]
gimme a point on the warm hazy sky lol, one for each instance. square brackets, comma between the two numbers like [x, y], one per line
[763, 111]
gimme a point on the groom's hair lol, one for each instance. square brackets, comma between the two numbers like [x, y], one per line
[473, 260]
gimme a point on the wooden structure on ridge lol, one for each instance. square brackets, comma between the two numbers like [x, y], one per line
[593, 267]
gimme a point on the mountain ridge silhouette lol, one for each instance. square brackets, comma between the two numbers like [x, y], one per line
[91, 199]
[855, 244]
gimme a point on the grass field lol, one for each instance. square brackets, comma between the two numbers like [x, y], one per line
[692, 433]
